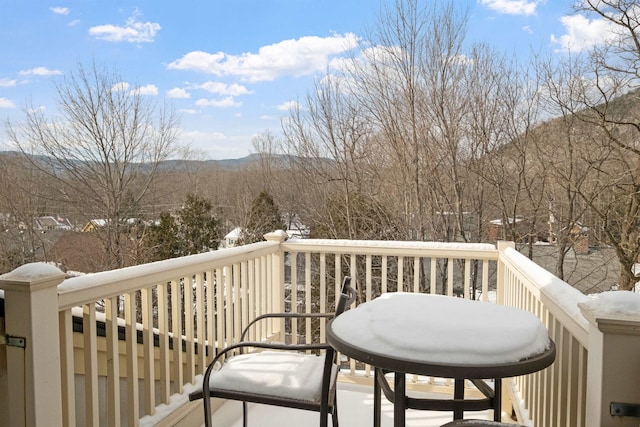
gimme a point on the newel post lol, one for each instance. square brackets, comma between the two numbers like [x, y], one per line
[500, 276]
[277, 274]
[613, 368]
[32, 344]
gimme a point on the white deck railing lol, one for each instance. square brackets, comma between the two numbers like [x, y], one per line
[149, 330]
[189, 305]
[557, 395]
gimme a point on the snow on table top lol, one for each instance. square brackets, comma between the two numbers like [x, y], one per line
[441, 329]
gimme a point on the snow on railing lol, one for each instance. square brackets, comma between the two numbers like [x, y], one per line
[555, 396]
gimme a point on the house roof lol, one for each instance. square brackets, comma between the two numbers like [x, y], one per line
[51, 222]
[234, 234]
[79, 252]
[510, 220]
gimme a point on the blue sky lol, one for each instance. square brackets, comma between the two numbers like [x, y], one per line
[231, 68]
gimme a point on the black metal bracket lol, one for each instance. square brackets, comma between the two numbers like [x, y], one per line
[625, 409]
[11, 341]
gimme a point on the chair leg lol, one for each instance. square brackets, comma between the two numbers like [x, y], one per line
[334, 412]
[244, 414]
[207, 412]
[324, 419]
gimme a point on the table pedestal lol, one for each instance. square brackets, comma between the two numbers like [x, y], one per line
[402, 402]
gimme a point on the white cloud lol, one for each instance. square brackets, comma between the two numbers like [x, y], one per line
[203, 141]
[145, 90]
[6, 103]
[341, 64]
[200, 135]
[37, 109]
[286, 106]
[375, 54]
[132, 32]
[7, 82]
[512, 7]
[217, 145]
[188, 111]
[220, 88]
[120, 87]
[582, 33]
[60, 10]
[177, 92]
[40, 71]
[225, 102]
[303, 56]
[149, 89]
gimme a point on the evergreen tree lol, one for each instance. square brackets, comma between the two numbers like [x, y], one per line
[264, 217]
[163, 238]
[193, 230]
[198, 227]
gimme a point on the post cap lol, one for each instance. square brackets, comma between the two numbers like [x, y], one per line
[32, 276]
[614, 311]
[276, 236]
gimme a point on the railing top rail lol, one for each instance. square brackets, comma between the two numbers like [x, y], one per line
[559, 297]
[394, 247]
[92, 287]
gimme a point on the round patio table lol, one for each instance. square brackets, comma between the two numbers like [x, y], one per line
[434, 335]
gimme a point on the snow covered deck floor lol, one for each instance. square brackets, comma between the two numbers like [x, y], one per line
[355, 407]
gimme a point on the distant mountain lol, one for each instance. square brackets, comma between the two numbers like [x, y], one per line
[229, 164]
[278, 160]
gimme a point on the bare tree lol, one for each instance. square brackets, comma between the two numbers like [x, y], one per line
[387, 81]
[266, 149]
[566, 149]
[503, 114]
[328, 141]
[23, 197]
[613, 195]
[103, 151]
[406, 81]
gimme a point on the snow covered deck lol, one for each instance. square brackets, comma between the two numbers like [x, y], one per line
[355, 406]
[148, 331]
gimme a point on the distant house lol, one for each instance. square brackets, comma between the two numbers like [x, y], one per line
[580, 239]
[127, 223]
[497, 226]
[93, 225]
[232, 238]
[46, 223]
[295, 228]
[298, 231]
